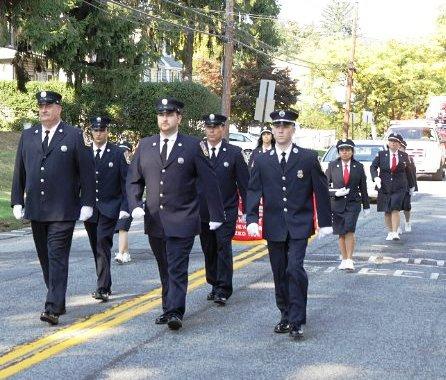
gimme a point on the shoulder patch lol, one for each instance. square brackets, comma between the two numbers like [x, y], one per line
[204, 148]
[87, 139]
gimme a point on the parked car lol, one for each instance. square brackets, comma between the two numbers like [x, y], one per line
[365, 152]
[245, 141]
[424, 145]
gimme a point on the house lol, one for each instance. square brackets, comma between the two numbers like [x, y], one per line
[167, 69]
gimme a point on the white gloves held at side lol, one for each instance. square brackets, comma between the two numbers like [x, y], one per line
[342, 192]
[377, 181]
[412, 191]
[253, 229]
[18, 211]
[86, 213]
[214, 225]
[324, 231]
[138, 213]
[123, 215]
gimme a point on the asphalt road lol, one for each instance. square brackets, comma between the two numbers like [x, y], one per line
[384, 321]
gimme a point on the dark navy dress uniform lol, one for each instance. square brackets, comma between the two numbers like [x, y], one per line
[288, 219]
[172, 216]
[346, 209]
[110, 177]
[52, 186]
[394, 185]
[232, 175]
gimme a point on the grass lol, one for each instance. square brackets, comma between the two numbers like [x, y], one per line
[8, 142]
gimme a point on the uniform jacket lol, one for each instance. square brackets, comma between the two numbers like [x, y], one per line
[257, 151]
[288, 197]
[232, 175]
[53, 187]
[111, 173]
[398, 181]
[357, 184]
[413, 173]
[172, 205]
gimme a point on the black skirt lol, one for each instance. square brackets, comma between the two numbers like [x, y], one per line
[390, 202]
[345, 221]
[407, 206]
[123, 224]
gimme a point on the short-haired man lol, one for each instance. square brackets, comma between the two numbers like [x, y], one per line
[55, 169]
[287, 177]
[168, 166]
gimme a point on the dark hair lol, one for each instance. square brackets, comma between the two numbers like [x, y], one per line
[260, 141]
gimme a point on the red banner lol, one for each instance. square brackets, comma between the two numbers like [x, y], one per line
[240, 228]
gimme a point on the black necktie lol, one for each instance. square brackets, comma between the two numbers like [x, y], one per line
[164, 151]
[97, 156]
[213, 155]
[283, 161]
[45, 141]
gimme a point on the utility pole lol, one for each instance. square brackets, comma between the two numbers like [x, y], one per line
[350, 71]
[227, 62]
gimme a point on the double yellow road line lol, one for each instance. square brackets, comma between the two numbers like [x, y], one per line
[30, 354]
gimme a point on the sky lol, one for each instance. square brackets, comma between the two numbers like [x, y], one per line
[378, 19]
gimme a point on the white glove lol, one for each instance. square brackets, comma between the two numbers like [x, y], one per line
[412, 191]
[214, 225]
[253, 229]
[324, 231]
[18, 211]
[341, 192]
[243, 218]
[123, 215]
[377, 181]
[366, 212]
[86, 213]
[138, 213]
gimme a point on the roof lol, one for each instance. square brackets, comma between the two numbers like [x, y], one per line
[7, 53]
[170, 62]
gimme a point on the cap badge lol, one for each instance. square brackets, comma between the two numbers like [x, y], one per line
[300, 174]
[180, 160]
[63, 148]
[344, 140]
[110, 164]
[43, 94]
[282, 113]
[226, 164]
[164, 102]
[211, 117]
[98, 119]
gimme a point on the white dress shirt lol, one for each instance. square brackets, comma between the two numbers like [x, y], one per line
[287, 152]
[52, 131]
[170, 143]
[217, 149]
[95, 148]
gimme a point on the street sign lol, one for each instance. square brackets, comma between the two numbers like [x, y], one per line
[265, 102]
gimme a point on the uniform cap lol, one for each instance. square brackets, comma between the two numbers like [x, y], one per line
[168, 104]
[48, 97]
[214, 119]
[395, 137]
[99, 122]
[124, 144]
[265, 129]
[345, 143]
[283, 116]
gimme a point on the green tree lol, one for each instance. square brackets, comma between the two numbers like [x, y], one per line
[337, 18]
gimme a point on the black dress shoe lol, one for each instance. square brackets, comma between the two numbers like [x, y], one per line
[51, 318]
[210, 296]
[101, 295]
[296, 332]
[220, 300]
[282, 327]
[161, 320]
[63, 311]
[174, 322]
